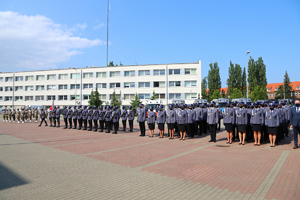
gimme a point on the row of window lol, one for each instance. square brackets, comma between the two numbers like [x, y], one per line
[100, 85]
[98, 75]
[292, 94]
[102, 97]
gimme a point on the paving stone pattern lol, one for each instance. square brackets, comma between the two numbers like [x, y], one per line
[55, 163]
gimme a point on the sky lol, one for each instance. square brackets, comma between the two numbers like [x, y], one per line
[39, 34]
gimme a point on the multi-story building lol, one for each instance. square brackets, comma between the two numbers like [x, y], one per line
[73, 86]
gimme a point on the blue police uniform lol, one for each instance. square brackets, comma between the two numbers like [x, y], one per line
[151, 119]
[212, 120]
[70, 113]
[124, 116]
[75, 117]
[130, 118]
[141, 117]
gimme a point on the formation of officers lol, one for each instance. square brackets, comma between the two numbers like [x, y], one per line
[261, 122]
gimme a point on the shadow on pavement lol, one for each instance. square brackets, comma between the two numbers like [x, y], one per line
[9, 179]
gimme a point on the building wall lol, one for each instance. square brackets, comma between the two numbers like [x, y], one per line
[6, 96]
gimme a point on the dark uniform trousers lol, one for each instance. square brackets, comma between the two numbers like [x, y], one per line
[219, 124]
[249, 134]
[43, 120]
[75, 123]
[66, 122]
[101, 125]
[212, 131]
[58, 121]
[79, 124]
[235, 134]
[198, 127]
[116, 126]
[203, 128]
[108, 126]
[85, 124]
[131, 125]
[95, 125]
[90, 124]
[190, 129]
[142, 128]
[54, 121]
[124, 125]
[70, 123]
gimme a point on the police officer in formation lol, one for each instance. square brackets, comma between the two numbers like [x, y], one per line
[141, 118]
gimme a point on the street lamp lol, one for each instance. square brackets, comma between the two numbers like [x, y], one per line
[246, 71]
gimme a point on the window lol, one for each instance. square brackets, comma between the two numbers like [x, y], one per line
[161, 96]
[117, 96]
[73, 97]
[63, 87]
[50, 97]
[174, 96]
[174, 71]
[190, 83]
[29, 88]
[1, 79]
[129, 96]
[114, 74]
[75, 76]
[103, 96]
[28, 98]
[51, 77]
[62, 97]
[129, 73]
[19, 78]
[8, 98]
[144, 73]
[144, 84]
[29, 78]
[129, 85]
[1, 89]
[276, 89]
[19, 98]
[86, 97]
[298, 88]
[39, 98]
[158, 72]
[268, 90]
[271, 94]
[189, 71]
[88, 86]
[73, 86]
[114, 85]
[88, 75]
[1, 100]
[144, 96]
[8, 89]
[19, 88]
[63, 76]
[298, 93]
[190, 95]
[101, 74]
[8, 79]
[40, 77]
[101, 85]
[39, 87]
[158, 84]
[51, 87]
[268, 95]
[174, 83]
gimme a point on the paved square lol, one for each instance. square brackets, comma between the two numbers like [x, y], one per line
[54, 163]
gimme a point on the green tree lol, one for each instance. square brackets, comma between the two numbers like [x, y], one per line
[135, 103]
[154, 96]
[95, 98]
[279, 94]
[213, 78]
[244, 84]
[115, 99]
[215, 95]
[111, 63]
[236, 93]
[287, 86]
[252, 78]
[204, 88]
[231, 81]
[258, 94]
[238, 76]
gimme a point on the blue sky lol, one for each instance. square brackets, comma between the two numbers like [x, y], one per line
[36, 34]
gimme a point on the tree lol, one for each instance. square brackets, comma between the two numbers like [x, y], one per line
[279, 94]
[244, 84]
[236, 93]
[95, 98]
[111, 63]
[231, 81]
[215, 95]
[204, 88]
[252, 78]
[258, 94]
[287, 86]
[115, 99]
[135, 103]
[154, 96]
[238, 76]
[213, 78]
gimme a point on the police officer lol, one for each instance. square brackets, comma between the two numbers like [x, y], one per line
[101, 119]
[191, 121]
[141, 118]
[79, 117]
[90, 118]
[257, 120]
[57, 113]
[29, 115]
[50, 117]
[286, 109]
[18, 115]
[14, 115]
[272, 122]
[84, 118]
[197, 119]
[220, 117]
[151, 121]
[65, 116]
[212, 120]
[182, 121]
[43, 117]
[124, 115]
[295, 122]
[234, 131]
[265, 128]
[161, 119]
[74, 115]
[119, 115]
[171, 119]
[130, 118]
[95, 118]
[203, 119]
[241, 121]
[115, 119]
[228, 121]
[176, 110]
[108, 119]
[249, 134]
[70, 113]
[36, 115]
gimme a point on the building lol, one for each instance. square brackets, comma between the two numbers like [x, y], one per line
[73, 86]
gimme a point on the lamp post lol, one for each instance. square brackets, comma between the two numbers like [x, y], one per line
[246, 71]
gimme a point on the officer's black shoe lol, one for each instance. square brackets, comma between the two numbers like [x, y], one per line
[89, 130]
[107, 132]
[101, 131]
[54, 126]
[141, 135]
[74, 128]
[215, 141]
[70, 128]
[79, 129]
[39, 125]
[46, 125]
[50, 125]
[131, 130]
[65, 127]
[211, 141]
[58, 126]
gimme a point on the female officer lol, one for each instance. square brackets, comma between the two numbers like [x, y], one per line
[161, 119]
[272, 123]
[257, 120]
[182, 120]
[229, 120]
[241, 121]
[171, 118]
[151, 121]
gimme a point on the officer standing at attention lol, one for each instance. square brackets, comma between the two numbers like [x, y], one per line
[79, 117]
[101, 119]
[115, 119]
[74, 115]
[197, 119]
[191, 121]
[272, 122]
[124, 117]
[171, 119]
[65, 116]
[295, 122]
[95, 118]
[182, 121]
[90, 118]
[70, 113]
[203, 119]
[228, 121]
[212, 120]
[130, 118]
[161, 119]
[141, 118]
[108, 119]
[14, 115]
[151, 121]
[43, 117]
[257, 120]
[54, 116]
[241, 121]
[50, 117]
[84, 117]
[58, 116]
[220, 117]
[287, 110]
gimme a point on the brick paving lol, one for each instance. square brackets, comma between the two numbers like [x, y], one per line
[54, 163]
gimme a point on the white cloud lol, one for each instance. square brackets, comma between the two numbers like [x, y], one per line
[98, 26]
[36, 42]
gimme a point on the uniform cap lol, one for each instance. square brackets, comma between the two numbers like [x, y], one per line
[69, 107]
[74, 106]
[123, 107]
[228, 102]
[161, 106]
[212, 102]
[150, 107]
[272, 104]
[171, 106]
[130, 107]
[95, 107]
[90, 107]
